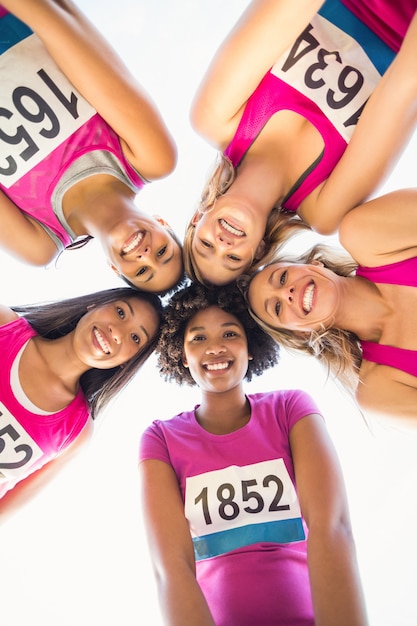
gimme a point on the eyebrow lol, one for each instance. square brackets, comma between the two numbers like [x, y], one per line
[164, 262]
[193, 329]
[129, 306]
[230, 268]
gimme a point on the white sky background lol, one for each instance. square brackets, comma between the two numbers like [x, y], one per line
[77, 556]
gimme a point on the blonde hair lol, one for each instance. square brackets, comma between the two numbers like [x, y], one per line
[337, 349]
[281, 224]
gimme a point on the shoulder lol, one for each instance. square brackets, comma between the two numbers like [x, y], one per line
[7, 315]
[288, 404]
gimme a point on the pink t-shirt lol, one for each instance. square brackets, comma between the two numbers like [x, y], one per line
[29, 439]
[241, 504]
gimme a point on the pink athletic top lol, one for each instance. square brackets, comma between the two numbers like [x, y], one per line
[389, 20]
[400, 273]
[326, 77]
[29, 437]
[241, 504]
[53, 137]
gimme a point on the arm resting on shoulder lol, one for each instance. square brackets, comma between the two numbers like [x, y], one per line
[385, 392]
[383, 131]
[170, 547]
[23, 237]
[383, 230]
[334, 577]
[264, 31]
[95, 69]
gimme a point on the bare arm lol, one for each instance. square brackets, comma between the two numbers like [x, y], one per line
[23, 237]
[385, 392]
[170, 547]
[28, 488]
[95, 69]
[383, 230]
[384, 128]
[335, 584]
[265, 30]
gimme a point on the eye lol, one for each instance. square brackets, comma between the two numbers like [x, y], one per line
[233, 257]
[162, 251]
[197, 338]
[230, 334]
[206, 244]
[142, 271]
[120, 312]
[277, 308]
[135, 338]
[283, 277]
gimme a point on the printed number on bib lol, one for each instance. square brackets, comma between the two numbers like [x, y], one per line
[39, 109]
[18, 451]
[235, 496]
[331, 69]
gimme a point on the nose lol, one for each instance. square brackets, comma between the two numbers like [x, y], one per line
[289, 294]
[224, 240]
[145, 252]
[215, 348]
[116, 334]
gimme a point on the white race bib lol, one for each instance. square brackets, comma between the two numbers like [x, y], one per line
[331, 69]
[39, 108]
[18, 451]
[238, 506]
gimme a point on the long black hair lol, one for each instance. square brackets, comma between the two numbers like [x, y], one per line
[56, 319]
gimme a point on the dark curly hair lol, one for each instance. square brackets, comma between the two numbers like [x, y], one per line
[179, 310]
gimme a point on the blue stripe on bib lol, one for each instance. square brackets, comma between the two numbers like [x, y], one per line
[378, 52]
[282, 531]
[12, 31]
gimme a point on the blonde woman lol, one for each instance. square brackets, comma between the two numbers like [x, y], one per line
[284, 102]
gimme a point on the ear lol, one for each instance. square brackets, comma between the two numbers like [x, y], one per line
[250, 357]
[195, 218]
[91, 307]
[184, 361]
[317, 262]
[161, 221]
[260, 250]
[113, 268]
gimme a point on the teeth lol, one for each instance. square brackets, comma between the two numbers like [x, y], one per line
[217, 366]
[135, 241]
[102, 342]
[308, 298]
[231, 229]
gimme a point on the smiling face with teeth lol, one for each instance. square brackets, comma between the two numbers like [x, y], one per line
[109, 335]
[144, 251]
[227, 239]
[295, 297]
[216, 350]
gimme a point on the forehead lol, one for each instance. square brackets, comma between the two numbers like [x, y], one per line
[212, 317]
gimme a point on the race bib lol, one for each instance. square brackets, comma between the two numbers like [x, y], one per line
[239, 506]
[39, 108]
[18, 451]
[328, 66]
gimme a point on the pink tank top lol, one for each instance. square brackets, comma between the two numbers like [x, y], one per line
[30, 439]
[47, 126]
[400, 273]
[326, 77]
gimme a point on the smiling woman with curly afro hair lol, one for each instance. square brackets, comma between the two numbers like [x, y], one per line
[183, 305]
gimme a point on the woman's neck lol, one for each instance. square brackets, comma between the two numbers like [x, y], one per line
[95, 205]
[223, 413]
[60, 360]
[258, 181]
[362, 309]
